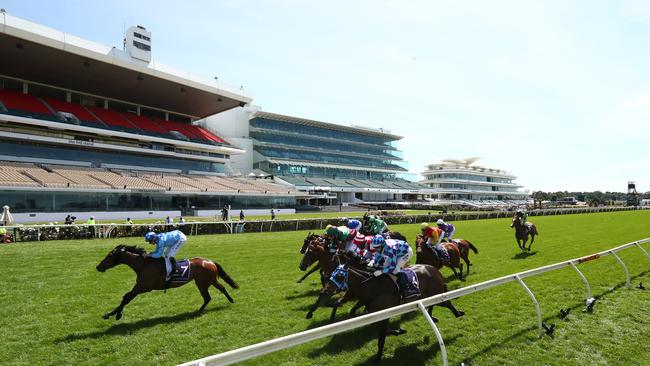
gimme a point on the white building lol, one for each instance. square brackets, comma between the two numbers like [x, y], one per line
[461, 179]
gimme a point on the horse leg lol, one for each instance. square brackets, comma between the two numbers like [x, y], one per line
[381, 339]
[430, 311]
[532, 239]
[222, 289]
[125, 300]
[447, 304]
[203, 289]
[321, 299]
[467, 262]
[460, 274]
[357, 306]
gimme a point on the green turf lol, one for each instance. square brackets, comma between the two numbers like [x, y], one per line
[53, 298]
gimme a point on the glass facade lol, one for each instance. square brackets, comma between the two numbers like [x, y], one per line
[73, 153]
[479, 178]
[30, 201]
[314, 145]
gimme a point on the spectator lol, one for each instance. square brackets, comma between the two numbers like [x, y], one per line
[4, 235]
[68, 220]
[340, 206]
[91, 225]
[170, 223]
[241, 215]
[272, 214]
[224, 213]
[181, 221]
[129, 222]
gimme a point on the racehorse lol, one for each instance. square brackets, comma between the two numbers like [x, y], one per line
[318, 251]
[379, 293]
[150, 275]
[315, 268]
[522, 230]
[424, 255]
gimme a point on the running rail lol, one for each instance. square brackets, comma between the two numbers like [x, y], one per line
[281, 343]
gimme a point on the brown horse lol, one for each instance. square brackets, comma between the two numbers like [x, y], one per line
[522, 230]
[425, 255]
[311, 236]
[150, 275]
[379, 293]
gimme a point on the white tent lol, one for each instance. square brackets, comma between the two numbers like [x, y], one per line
[6, 217]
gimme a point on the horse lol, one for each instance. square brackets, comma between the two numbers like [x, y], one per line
[315, 268]
[150, 275]
[424, 255]
[379, 293]
[522, 230]
[318, 251]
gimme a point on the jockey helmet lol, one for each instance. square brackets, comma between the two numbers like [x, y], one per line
[440, 222]
[520, 211]
[424, 225]
[331, 230]
[149, 236]
[378, 241]
[345, 219]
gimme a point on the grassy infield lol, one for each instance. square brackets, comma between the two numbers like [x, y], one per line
[53, 299]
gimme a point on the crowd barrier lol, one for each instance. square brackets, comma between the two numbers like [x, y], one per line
[277, 344]
[23, 233]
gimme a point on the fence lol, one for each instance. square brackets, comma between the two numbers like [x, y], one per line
[277, 344]
[68, 232]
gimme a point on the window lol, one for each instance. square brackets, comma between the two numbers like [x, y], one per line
[138, 35]
[141, 46]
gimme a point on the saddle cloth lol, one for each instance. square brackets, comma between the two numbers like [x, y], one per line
[411, 280]
[442, 254]
[182, 273]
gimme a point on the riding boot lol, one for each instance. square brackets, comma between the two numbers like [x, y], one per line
[404, 288]
[173, 263]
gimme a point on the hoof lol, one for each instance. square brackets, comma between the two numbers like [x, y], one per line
[376, 359]
[309, 316]
[435, 320]
[118, 316]
[459, 314]
[105, 316]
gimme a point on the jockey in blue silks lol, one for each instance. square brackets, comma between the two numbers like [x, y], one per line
[167, 244]
[352, 224]
[392, 255]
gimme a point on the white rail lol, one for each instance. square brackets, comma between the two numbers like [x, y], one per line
[277, 344]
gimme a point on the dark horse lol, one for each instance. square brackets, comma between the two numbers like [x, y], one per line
[522, 230]
[456, 251]
[150, 274]
[379, 293]
[315, 268]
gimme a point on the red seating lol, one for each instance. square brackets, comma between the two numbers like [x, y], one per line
[78, 110]
[180, 127]
[209, 135]
[111, 117]
[144, 123]
[23, 102]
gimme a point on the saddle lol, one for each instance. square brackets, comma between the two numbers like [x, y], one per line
[407, 283]
[442, 254]
[181, 271]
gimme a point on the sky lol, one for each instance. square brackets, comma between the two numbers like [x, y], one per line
[555, 92]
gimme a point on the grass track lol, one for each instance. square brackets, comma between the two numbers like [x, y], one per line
[53, 299]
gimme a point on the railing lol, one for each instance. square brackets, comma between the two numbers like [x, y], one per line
[84, 231]
[277, 344]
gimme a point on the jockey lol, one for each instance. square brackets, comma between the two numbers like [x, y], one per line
[447, 230]
[522, 215]
[352, 224]
[167, 244]
[432, 234]
[377, 226]
[341, 237]
[391, 256]
[435, 234]
[364, 246]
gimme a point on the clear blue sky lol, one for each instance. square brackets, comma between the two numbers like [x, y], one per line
[557, 92]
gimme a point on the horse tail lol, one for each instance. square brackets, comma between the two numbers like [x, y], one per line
[225, 276]
[472, 247]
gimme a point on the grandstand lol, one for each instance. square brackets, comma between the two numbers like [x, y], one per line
[332, 163]
[99, 129]
[461, 182]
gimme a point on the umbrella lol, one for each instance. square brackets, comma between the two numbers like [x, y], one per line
[6, 217]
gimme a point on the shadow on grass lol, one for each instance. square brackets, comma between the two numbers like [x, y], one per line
[580, 305]
[524, 255]
[309, 293]
[410, 354]
[127, 328]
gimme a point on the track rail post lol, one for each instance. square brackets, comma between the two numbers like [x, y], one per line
[627, 273]
[443, 350]
[532, 297]
[584, 280]
[643, 250]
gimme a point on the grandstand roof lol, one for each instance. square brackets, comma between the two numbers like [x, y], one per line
[37, 53]
[327, 125]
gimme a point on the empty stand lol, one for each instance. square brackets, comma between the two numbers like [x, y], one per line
[112, 118]
[25, 105]
[145, 124]
[76, 109]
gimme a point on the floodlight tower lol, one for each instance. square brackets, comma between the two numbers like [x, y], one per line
[632, 195]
